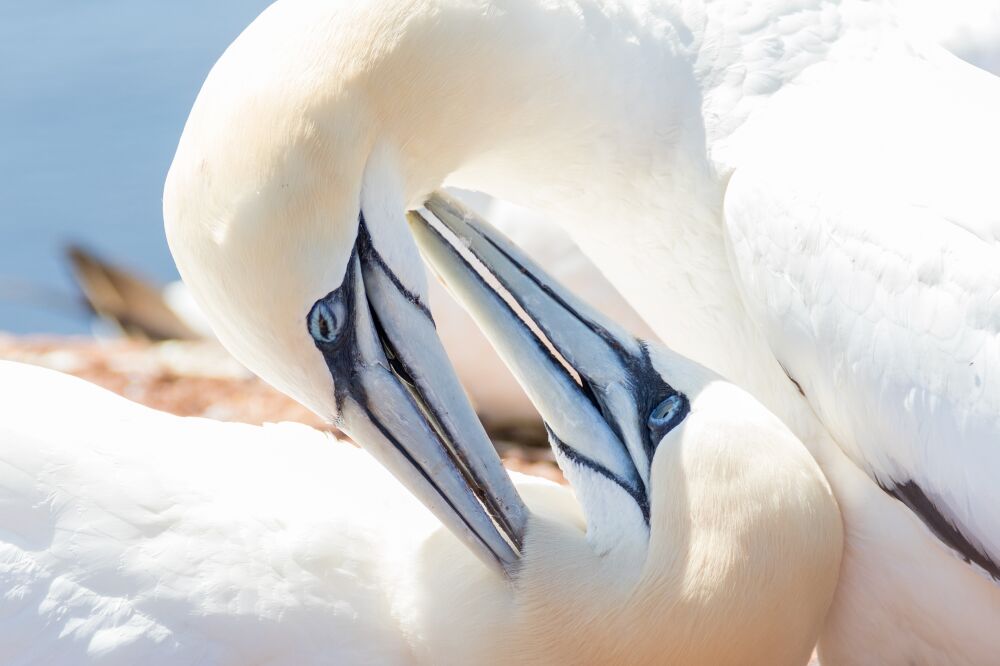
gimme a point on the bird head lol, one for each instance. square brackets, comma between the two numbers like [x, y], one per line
[284, 211]
[701, 508]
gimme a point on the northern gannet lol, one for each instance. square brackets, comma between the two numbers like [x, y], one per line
[701, 531]
[138, 308]
[496, 395]
[796, 194]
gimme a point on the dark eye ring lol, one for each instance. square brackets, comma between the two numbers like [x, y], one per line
[326, 319]
[668, 414]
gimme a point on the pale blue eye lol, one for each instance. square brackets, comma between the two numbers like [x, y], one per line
[668, 412]
[326, 319]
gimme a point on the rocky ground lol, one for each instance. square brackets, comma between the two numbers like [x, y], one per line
[200, 379]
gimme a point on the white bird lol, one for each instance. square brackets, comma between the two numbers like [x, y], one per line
[139, 309]
[704, 532]
[797, 194]
[968, 28]
[494, 392]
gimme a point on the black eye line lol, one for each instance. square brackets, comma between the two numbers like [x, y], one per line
[368, 252]
[321, 308]
[596, 328]
[363, 249]
[554, 363]
[648, 388]
[340, 365]
[341, 368]
[586, 389]
[638, 494]
[416, 465]
[396, 364]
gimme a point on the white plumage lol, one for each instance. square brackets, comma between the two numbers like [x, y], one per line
[797, 187]
[494, 392]
[873, 281]
[968, 28]
[132, 536]
[783, 189]
[138, 308]
[864, 251]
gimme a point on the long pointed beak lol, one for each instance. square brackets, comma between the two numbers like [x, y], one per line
[591, 381]
[399, 397]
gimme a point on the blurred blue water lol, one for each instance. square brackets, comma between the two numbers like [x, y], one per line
[93, 96]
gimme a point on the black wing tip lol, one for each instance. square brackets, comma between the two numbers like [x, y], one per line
[914, 497]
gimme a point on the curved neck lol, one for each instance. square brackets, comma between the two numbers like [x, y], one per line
[598, 119]
[595, 118]
[546, 102]
[541, 102]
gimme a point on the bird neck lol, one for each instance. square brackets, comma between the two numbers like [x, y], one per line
[536, 101]
[605, 119]
[587, 100]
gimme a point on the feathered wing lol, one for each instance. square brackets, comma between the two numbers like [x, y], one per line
[132, 536]
[869, 255]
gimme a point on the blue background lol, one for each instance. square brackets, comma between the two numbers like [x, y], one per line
[93, 97]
